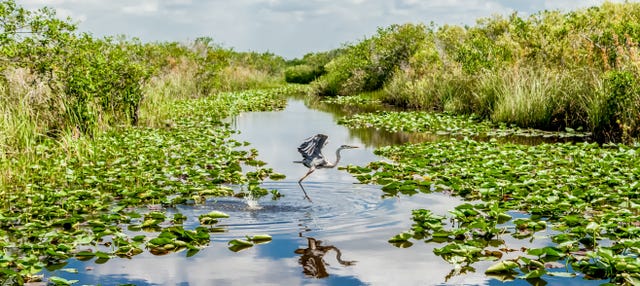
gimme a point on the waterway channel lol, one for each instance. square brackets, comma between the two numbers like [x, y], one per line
[338, 239]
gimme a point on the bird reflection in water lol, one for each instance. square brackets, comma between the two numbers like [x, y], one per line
[312, 261]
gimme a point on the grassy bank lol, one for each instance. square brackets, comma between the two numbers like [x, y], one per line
[59, 85]
[550, 70]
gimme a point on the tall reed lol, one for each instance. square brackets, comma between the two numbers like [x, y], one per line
[174, 83]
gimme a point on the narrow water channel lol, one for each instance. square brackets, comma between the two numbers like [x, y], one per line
[345, 217]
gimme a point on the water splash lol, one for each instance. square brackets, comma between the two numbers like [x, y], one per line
[252, 202]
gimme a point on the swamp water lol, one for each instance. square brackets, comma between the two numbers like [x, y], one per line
[339, 239]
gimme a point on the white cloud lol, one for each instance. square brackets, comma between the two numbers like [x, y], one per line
[143, 8]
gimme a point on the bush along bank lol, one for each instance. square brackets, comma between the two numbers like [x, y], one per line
[550, 70]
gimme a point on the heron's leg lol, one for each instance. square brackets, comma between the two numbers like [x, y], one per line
[300, 183]
[307, 174]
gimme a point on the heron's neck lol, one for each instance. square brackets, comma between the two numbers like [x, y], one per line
[337, 158]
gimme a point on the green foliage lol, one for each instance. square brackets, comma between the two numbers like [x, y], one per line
[445, 124]
[221, 69]
[110, 81]
[251, 70]
[301, 74]
[369, 64]
[92, 82]
[550, 70]
[616, 111]
[310, 67]
[210, 59]
[58, 83]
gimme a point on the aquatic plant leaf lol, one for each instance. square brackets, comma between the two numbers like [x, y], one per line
[534, 274]
[546, 252]
[259, 238]
[215, 214]
[69, 270]
[85, 254]
[402, 237]
[192, 252]
[236, 245]
[150, 223]
[502, 266]
[61, 281]
[562, 274]
[240, 242]
[277, 176]
[160, 241]
[239, 247]
[100, 254]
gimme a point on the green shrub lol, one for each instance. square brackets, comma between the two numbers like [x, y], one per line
[221, 69]
[103, 82]
[614, 114]
[303, 74]
[549, 70]
[372, 62]
[91, 82]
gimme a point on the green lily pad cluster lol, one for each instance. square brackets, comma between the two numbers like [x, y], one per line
[446, 124]
[106, 199]
[175, 238]
[586, 197]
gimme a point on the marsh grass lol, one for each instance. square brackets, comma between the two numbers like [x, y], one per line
[165, 90]
[527, 97]
[237, 77]
[33, 116]
[23, 112]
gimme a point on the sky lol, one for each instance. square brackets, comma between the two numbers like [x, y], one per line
[284, 27]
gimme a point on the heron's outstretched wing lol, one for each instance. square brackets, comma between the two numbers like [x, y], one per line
[311, 148]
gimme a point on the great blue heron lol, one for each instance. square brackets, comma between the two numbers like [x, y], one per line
[312, 157]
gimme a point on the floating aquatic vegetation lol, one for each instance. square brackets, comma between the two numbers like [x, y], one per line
[103, 203]
[445, 124]
[237, 244]
[212, 217]
[176, 238]
[586, 195]
[358, 99]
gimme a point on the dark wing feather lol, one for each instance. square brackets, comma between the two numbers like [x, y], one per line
[311, 148]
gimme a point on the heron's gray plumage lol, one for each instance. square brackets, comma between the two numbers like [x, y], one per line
[311, 150]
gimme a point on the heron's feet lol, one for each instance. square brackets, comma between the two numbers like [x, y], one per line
[305, 192]
[308, 198]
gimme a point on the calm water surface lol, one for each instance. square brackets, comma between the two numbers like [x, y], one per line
[345, 217]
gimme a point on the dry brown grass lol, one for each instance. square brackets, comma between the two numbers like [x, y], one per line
[235, 77]
[160, 94]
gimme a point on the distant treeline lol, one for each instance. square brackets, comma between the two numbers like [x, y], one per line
[550, 70]
[55, 81]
